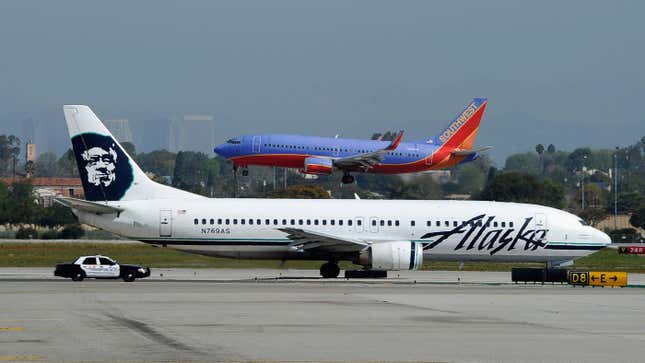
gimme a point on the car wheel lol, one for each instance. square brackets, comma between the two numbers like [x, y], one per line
[128, 277]
[78, 276]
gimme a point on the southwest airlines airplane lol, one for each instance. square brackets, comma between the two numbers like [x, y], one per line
[377, 234]
[320, 155]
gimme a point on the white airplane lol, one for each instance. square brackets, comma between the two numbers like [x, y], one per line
[377, 234]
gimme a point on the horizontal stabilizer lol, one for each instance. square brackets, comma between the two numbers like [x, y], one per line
[87, 206]
[466, 152]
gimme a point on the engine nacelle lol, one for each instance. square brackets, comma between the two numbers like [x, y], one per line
[393, 256]
[318, 166]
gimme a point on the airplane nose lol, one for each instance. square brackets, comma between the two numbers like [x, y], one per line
[219, 150]
[602, 237]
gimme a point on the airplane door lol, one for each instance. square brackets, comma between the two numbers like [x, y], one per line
[373, 224]
[257, 140]
[165, 223]
[428, 158]
[358, 224]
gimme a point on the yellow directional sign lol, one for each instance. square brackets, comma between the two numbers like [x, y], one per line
[607, 278]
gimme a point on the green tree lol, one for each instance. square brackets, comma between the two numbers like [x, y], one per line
[579, 158]
[550, 149]
[421, 187]
[526, 163]
[129, 148]
[539, 148]
[301, 192]
[158, 162]
[638, 218]
[191, 172]
[46, 165]
[21, 207]
[593, 215]
[66, 165]
[524, 188]
[9, 153]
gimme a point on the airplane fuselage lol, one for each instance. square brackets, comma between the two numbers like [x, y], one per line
[448, 230]
[290, 151]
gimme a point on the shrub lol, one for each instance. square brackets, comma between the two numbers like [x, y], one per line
[49, 234]
[71, 231]
[26, 233]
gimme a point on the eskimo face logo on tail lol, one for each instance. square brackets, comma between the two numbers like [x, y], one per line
[104, 168]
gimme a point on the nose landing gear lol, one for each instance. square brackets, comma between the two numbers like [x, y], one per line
[347, 178]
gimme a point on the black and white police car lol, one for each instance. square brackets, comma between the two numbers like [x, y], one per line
[100, 267]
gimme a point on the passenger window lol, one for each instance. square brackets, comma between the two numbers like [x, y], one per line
[510, 224]
[349, 222]
[309, 222]
[196, 221]
[396, 223]
[382, 222]
[275, 222]
[503, 224]
[447, 224]
[340, 222]
[228, 221]
[359, 222]
[324, 222]
[412, 223]
[212, 221]
[250, 221]
[242, 221]
[428, 223]
[259, 221]
[332, 222]
[494, 224]
[284, 222]
[300, 222]
[268, 222]
[293, 222]
[455, 223]
[374, 222]
[315, 222]
[219, 221]
[234, 221]
[89, 261]
[389, 223]
[204, 221]
[105, 261]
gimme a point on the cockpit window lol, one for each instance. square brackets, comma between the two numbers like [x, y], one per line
[233, 141]
[582, 221]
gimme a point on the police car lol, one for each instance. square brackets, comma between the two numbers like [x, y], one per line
[100, 267]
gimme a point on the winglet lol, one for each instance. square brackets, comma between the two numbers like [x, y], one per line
[395, 143]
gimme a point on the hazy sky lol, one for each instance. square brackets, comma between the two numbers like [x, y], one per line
[570, 73]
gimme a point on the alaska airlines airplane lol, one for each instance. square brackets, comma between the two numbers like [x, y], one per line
[320, 155]
[377, 234]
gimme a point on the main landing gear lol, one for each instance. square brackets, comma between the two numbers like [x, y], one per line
[329, 270]
[347, 178]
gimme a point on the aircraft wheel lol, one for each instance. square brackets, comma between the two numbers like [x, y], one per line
[329, 270]
[245, 172]
[347, 179]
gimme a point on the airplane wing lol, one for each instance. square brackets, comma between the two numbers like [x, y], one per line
[466, 152]
[322, 242]
[87, 206]
[367, 160]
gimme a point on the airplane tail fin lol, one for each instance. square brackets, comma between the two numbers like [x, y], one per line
[462, 130]
[107, 172]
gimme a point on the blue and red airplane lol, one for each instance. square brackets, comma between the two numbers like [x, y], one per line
[324, 155]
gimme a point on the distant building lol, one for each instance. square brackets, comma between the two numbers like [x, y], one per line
[192, 133]
[30, 152]
[120, 129]
[46, 189]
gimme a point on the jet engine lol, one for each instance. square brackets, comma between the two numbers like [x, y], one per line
[319, 166]
[392, 256]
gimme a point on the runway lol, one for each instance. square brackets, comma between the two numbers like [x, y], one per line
[270, 320]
